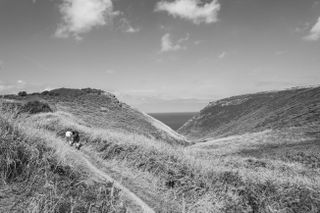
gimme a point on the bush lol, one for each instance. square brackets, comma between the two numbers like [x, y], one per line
[22, 93]
[35, 94]
[92, 91]
[46, 92]
[34, 107]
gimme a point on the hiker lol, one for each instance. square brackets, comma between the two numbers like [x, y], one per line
[76, 139]
[69, 137]
[73, 137]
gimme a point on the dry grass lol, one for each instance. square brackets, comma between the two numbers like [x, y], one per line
[101, 109]
[37, 177]
[269, 171]
[250, 173]
[256, 112]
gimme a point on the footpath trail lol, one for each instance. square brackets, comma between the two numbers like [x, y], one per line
[92, 164]
[134, 203]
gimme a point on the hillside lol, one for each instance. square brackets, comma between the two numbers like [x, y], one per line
[121, 171]
[40, 173]
[275, 110]
[100, 109]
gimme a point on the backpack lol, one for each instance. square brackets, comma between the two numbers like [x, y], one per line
[76, 137]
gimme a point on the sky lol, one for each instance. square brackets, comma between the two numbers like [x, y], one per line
[160, 55]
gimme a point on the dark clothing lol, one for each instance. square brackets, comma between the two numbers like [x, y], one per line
[76, 137]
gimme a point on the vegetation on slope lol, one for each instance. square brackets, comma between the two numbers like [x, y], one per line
[35, 176]
[267, 171]
[101, 109]
[256, 112]
[218, 176]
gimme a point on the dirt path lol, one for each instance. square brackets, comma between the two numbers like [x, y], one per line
[134, 203]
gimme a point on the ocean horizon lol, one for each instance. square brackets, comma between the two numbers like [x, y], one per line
[173, 119]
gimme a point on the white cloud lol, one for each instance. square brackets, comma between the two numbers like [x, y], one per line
[21, 82]
[132, 30]
[168, 45]
[126, 27]
[80, 16]
[314, 34]
[222, 55]
[192, 10]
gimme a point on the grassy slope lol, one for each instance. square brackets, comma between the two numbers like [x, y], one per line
[232, 174]
[256, 112]
[39, 173]
[103, 110]
[284, 164]
[268, 171]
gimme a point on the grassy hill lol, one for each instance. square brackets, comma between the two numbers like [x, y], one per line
[40, 173]
[100, 109]
[256, 112]
[273, 170]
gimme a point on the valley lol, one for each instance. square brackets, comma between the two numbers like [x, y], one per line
[253, 153]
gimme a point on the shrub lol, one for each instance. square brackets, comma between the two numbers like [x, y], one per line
[22, 93]
[92, 91]
[34, 107]
[35, 94]
[46, 92]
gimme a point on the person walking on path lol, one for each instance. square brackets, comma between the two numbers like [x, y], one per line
[72, 137]
[76, 139]
[69, 137]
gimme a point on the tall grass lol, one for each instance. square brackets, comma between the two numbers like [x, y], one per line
[194, 182]
[34, 178]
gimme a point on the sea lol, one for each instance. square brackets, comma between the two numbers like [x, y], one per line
[173, 119]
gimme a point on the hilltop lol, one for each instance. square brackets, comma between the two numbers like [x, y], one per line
[101, 109]
[276, 110]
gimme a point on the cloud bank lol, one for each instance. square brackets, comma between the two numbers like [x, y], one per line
[314, 34]
[80, 16]
[192, 10]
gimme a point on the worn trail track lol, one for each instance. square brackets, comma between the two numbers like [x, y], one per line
[134, 203]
